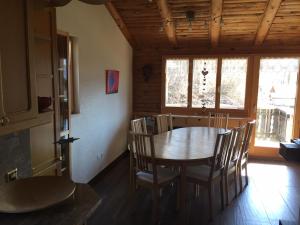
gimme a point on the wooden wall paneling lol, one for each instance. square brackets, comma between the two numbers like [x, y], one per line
[143, 21]
[285, 27]
[240, 21]
[197, 34]
[147, 94]
[267, 20]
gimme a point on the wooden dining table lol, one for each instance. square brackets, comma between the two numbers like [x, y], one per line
[185, 147]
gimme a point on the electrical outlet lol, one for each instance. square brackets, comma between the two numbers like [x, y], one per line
[99, 155]
[12, 175]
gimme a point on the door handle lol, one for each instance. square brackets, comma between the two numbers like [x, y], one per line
[66, 140]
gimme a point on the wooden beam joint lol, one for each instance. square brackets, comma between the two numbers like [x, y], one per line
[267, 21]
[168, 21]
[216, 17]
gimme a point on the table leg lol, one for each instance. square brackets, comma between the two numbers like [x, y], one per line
[183, 194]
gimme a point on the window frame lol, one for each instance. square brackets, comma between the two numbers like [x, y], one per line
[189, 110]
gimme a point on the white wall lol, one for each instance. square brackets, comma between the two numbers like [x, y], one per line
[103, 121]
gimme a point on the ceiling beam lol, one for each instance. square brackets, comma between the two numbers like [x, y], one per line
[215, 25]
[114, 13]
[167, 19]
[267, 20]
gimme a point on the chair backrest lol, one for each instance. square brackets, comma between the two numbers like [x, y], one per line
[220, 152]
[144, 153]
[164, 122]
[218, 120]
[247, 137]
[236, 143]
[139, 125]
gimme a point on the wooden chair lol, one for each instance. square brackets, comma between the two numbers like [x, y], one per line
[148, 174]
[231, 166]
[218, 120]
[164, 122]
[139, 126]
[243, 159]
[204, 175]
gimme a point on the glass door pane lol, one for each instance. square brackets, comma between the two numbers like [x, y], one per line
[276, 101]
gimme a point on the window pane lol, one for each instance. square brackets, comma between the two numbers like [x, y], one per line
[177, 72]
[233, 83]
[204, 83]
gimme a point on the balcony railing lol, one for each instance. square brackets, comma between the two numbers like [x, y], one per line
[273, 124]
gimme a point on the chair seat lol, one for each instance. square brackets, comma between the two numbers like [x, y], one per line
[231, 168]
[163, 175]
[200, 172]
[244, 160]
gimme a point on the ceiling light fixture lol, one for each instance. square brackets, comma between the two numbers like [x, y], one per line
[190, 16]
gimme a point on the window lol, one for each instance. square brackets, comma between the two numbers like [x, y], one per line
[233, 83]
[177, 71]
[208, 83]
[204, 83]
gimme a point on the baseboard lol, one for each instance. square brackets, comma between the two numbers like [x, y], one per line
[109, 167]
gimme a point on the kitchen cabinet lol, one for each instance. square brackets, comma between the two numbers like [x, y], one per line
[18, 100]
[26, 66]
[45, 155]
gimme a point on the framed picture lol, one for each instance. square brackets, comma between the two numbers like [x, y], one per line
[112, 81]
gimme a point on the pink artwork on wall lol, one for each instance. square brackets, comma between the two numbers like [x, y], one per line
[112, 81]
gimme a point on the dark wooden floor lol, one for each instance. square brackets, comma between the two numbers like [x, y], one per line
[272, 194]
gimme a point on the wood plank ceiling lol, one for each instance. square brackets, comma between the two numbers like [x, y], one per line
[216, 23]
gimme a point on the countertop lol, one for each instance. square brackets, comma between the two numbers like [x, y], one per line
[74, 211]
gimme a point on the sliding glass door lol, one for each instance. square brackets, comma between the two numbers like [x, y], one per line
[276, 102]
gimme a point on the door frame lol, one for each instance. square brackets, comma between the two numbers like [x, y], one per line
[68, 132]
[269, 152]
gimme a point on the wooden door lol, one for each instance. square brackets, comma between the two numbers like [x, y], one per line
[19, 101]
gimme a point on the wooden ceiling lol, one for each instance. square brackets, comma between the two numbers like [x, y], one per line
[217, 23]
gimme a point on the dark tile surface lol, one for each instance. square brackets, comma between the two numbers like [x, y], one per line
[73, 211]
[273, 193]
[15, 153]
